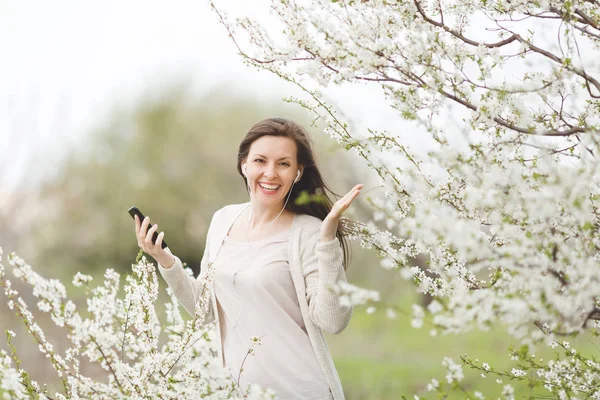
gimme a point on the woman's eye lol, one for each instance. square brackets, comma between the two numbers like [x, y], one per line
[260, 160]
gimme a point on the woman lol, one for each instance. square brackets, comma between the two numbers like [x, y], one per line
[275, 267]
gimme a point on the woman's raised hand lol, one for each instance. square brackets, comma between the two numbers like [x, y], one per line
[163, 256]
[330, 223]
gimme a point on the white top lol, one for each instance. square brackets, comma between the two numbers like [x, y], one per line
[256, 298]
[316, 269]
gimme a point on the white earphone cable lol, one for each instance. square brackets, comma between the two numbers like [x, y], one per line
[253, 252]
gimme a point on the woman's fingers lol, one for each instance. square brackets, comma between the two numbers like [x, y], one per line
[151, 231]
[355, 193]
[343, 203]
[144, 236]
[159, 240]
[140, 231]
[143, 227]
[351, 195]
[137, 231]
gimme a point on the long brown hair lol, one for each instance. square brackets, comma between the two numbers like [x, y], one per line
[311, 180]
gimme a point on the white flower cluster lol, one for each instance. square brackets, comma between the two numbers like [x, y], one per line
[353, 295]
[80, 279]
[123, 336]
[502, 207]
[454, 370]
[568, 375]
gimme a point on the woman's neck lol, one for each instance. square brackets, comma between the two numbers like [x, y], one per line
[263, 216]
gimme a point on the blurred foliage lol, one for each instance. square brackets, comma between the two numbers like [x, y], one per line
[379, 358]
[173, 157]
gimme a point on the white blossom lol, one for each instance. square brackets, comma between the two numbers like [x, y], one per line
[122, 336]
[454, 370]
[432, 385]
[80, 279]
[518, 372]
[508, 392]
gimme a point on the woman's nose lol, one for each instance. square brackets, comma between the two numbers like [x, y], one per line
[270, 171]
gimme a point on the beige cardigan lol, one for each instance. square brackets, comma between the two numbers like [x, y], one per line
[315, 268]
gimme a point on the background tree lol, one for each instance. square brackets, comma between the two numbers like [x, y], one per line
[502, 198]
[174, 157]
[171, 156]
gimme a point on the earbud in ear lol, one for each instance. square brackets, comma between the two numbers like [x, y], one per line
[297, 177]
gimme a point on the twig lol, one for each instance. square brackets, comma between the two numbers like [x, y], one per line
[108, 363]
[185, 349]
[125, 331]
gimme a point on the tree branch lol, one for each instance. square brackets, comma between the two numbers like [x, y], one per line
[512, 38]
[461, 36]
[108, 364]
[593, 315]
[587, 19]
[513, 127]
[125, 331]
[555, 58]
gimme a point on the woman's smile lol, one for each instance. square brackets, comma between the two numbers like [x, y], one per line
[268, 188]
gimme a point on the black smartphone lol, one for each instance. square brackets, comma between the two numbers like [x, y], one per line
[135, 211]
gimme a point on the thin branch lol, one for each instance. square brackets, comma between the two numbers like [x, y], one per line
[584, 30]
[108, 363]
[587, 19]
[185, 349]
[250, 350]
[558, 276]
[593, 315]
[316, 57]
[552, 152]
[566, 17]
[557, 333]
[555, 58]
[587, 84]
[36, 391]
[125, 331]
[513, 127]
[511, 39]
[461, 36]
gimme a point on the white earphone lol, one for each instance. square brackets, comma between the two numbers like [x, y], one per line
[246, 173]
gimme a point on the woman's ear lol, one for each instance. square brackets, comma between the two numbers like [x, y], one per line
[299, 174]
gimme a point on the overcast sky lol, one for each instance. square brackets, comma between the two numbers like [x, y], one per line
[66, 64]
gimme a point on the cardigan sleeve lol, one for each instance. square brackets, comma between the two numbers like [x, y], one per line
[322, 266]
[187, 289]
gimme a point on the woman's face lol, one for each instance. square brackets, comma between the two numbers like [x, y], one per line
[271, 168]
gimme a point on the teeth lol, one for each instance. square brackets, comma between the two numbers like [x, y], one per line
[269, 187]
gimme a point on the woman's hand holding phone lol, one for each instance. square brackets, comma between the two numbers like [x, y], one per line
[163, 256]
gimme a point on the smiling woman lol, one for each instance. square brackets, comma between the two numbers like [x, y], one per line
[271, 268]
[271, 173]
